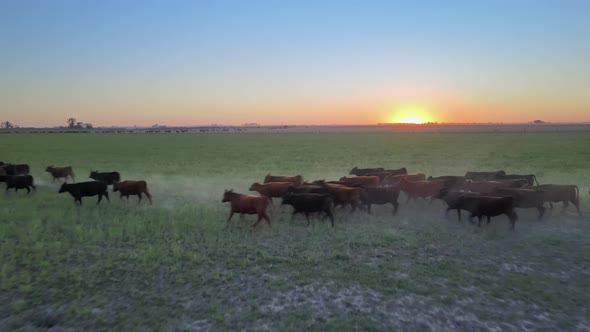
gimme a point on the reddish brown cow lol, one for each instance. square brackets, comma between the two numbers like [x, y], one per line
[488, 187]
[129, 187]
[343, 195]
[422, 189]
[247, 204]
[61, 172]
[393, 180]
[297, 180]
[271, 189]
[565, 193]
[368, 181]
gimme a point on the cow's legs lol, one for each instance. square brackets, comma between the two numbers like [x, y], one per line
[149, 196]
[329, 213]
[307, 217]
[99, 199]
[265, 216]
[138, 198]
[577, 204]
[369, 208]
[231, 214]
[395, 207]
[106, 194]
[488, 220]
[257, 221]
[479, 220]
[28, 190]
[541, 210]
[566, 204]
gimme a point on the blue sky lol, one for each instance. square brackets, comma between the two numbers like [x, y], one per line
[200, 62]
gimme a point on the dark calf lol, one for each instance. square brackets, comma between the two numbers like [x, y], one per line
[488, 206]
[450, 181]
[451, 198]
[365, 171]
[310, 203]
[86, 189]
[107, 177]
[484, 176]
[16, 169]
[17, 182]
[380, 196]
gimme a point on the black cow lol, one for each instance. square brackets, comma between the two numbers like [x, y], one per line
[451, 198]
[380, 196]
[531, 179]
[451, 181]
[366, 171]
[488, 206]
[85, 189]
[484, 176]
[16, 169]
[17, 182]
[107, 177]
[309, 203]
[309, 189]
[524, 198]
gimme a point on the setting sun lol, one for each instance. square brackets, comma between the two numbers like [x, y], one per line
[411, 114]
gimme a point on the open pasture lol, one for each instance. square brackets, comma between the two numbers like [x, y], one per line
[176, 265]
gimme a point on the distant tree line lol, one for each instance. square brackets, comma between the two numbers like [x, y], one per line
[8, 125]
[73, 123]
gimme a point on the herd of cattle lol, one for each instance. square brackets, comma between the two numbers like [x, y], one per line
[16, 176]
[482, 194]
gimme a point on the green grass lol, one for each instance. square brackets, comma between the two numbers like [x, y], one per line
[176, 265]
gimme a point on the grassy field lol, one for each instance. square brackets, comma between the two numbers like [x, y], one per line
[177, 266]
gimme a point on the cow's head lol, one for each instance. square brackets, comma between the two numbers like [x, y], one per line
[116, 186]
[49, 169]
[93, 174]
[227, 195]
[353, 171]
[63, 188]
[255, 186]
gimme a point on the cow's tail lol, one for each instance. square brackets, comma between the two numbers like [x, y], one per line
[535, 178]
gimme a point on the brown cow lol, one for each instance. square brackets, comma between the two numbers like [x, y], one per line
[247, 204]
[560, 193]
[61, 172]
[393, 180]
[422, 189]
[129, 187]
[487, 187]
[369, 181]
[271, 189]
[343, 195]
[297, 180]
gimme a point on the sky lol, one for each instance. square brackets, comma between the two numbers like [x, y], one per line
[200, 62]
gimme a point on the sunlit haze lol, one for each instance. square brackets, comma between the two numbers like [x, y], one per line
[125, 63]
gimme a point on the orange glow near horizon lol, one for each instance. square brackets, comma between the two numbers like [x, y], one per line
[415, 114]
